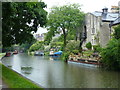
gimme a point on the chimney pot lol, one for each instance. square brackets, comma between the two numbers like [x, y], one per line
[105, 10]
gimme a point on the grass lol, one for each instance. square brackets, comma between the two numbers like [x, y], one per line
[14, 80]
[2, 54]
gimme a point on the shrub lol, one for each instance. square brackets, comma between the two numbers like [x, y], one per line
[65, 56]
[111, 55]
[97, 48]
[89, 45]
[72, 45]
[75, 51]
[117, 32]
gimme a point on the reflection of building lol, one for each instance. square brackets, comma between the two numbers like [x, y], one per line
[98, 27]
[39, 37]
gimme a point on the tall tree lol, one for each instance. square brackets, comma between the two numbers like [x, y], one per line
[65, 18]
[19, 19]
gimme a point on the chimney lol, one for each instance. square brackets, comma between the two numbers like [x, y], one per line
[105, 10]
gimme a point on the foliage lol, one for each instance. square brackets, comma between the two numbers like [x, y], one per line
[64, 19]
[15, 80]
[39, 45]
[47, 48]
[111, 55]
[89, 45]
[19, 20]
[117, 32]
[97, 48]
[65, 55]
[49, 36]
[2, 54]
[55, 44]
[72, 45]
[75, 51]
[46, 53]
[87, 53]
[25, 46]
[7, 49]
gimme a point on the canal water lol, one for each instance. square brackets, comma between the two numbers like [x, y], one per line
[54, 73]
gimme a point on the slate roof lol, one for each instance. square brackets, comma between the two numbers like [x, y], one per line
[117, 21]
[107, 17]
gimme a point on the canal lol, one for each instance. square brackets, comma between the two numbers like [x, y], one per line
[54, 73]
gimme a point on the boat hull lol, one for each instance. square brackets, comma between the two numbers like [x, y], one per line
[94, 63]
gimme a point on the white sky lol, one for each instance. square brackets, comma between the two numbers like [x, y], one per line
[87, 6]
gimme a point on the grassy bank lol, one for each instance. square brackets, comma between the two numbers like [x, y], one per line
[14, 80]
[2, 54]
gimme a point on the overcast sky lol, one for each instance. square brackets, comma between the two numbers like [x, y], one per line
[87, 5]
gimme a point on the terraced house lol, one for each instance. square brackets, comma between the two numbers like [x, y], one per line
[98, 27]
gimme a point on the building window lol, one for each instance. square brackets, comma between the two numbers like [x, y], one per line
[93, 41]
[93, 31]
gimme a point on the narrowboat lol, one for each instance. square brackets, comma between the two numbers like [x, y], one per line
[39, 53]
[8, 54]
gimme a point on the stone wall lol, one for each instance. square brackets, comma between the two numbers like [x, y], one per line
[104, 34]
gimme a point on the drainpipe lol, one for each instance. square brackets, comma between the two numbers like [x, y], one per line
[110, 26]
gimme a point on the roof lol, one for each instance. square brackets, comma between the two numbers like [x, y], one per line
[117, 21]
[109, 16]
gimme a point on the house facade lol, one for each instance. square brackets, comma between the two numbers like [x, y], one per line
[98, 28]
[39, 37]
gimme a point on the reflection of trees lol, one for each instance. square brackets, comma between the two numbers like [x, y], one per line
[109, 79]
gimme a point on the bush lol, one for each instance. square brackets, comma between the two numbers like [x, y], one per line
[72, 45]
[65, 56]
[46, 53]
[117, 32]
[111, 55]
[89, 45]
[75, 51]
[97, 48]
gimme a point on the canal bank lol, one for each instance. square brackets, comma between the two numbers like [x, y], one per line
[12, 79]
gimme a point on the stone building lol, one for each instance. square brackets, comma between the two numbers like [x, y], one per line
[39, 37]
[98, 29]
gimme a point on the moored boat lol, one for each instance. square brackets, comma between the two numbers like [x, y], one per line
[8, 54]
[15, 52]
[38, 53]
[87, 62]
[51, 53]
[55, 53]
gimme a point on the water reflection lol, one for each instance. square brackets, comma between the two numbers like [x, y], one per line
[50, 72]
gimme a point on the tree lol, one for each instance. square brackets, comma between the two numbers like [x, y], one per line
[65, 19]
[19, 19]
[39, 45]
